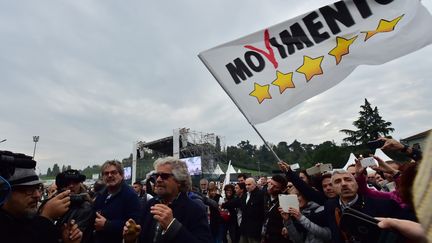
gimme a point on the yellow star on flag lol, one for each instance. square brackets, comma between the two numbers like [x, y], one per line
[311, 67]
[283, 81]
[383, 26]
[261, 92]
[342, 48]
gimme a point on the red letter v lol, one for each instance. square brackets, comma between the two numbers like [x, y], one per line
[270, 55]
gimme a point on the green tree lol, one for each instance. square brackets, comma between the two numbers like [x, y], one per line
[246, 146]
[55, 169]
[49, 172]
[370, 126]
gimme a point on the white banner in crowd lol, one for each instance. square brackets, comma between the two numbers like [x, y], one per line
[271, 71]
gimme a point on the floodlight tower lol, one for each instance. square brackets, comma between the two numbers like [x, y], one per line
[35, 140]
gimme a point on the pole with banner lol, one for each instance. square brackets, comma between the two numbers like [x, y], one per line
[272, 70]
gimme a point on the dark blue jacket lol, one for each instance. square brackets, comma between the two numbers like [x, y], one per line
[370, 206]
[117, 210]
[190, 225]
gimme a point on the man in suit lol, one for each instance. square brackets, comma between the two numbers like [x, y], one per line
[171, 216]
[346, 188]
[252, 207]
[273, 220]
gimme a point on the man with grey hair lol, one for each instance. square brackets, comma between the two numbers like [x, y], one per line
[116, 203]
[171, 216]
[346, 188]
[204, 186]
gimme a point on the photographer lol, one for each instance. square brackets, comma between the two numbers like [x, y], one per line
[80, 208]
[19, 221]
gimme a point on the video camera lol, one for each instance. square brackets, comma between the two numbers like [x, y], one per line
[8, 162]
[75, 199]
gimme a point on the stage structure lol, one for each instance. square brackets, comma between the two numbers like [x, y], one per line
[185, 143]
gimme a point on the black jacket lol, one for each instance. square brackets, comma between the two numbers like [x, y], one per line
[37, 229]
[252, 213]
[274, 222]
[84, 217]
[370, 206]
[190, 225]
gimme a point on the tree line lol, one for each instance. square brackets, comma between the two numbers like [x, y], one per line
[369, 126]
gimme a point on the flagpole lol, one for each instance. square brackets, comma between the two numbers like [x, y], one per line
[241, 111]
[265, 142]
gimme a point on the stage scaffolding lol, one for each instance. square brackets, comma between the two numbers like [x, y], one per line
[187, 143]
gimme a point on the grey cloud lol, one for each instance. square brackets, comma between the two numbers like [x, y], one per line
[91, 77]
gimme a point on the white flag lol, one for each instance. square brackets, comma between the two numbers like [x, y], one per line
[227, 179]
[271, 71]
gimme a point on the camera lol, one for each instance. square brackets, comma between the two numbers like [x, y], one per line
[75, 199]
[9, 161]
[375, 144]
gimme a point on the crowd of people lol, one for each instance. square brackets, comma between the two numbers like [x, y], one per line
[350, 205]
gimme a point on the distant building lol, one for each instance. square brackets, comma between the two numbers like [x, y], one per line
[418, 140]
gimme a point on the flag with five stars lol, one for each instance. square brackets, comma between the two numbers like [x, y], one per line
[272, 70]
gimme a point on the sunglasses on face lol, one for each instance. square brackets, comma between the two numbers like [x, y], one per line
[163, 176]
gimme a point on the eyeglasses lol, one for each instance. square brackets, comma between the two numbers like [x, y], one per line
[163, 176]
[29, 190]
[107, 173]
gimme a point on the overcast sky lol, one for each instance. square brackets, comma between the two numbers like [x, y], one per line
[92, 77]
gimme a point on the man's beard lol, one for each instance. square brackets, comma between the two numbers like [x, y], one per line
[30, 213]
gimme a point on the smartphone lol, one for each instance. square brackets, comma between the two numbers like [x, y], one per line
[326, 168]
[295, 166]
[313, 170]
[366, 162]
[375, 144]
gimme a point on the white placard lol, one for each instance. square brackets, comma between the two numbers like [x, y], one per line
[287, 201]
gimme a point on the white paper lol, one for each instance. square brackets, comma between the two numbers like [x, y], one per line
[287, 201]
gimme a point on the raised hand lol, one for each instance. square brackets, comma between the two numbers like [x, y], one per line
[131, 231]
[57, 206]
[391, 144]
[283, 166]
[163, 214]
[284, 215]
[358, 167]
[295, 213]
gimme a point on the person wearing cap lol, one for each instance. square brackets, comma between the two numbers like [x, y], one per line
[19, 218]
[81, 208]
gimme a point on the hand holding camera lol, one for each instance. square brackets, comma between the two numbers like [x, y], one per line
[57, 206]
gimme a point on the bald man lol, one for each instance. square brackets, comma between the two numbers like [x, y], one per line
[252, 213]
